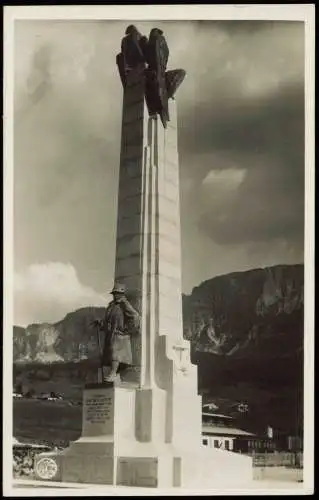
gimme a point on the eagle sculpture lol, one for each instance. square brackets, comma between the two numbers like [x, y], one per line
[150, 56]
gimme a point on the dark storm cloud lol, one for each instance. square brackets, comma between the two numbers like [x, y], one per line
[260, 218]
[264, 135]
[272, 124]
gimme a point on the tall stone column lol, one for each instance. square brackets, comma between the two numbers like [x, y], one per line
[148, 261]
[148, 250]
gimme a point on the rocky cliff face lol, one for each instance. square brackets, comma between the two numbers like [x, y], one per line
[244, 314]
[72, 339]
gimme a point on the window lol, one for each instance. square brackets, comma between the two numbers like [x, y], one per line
[226, 444]
[205, 442]
[216, 443]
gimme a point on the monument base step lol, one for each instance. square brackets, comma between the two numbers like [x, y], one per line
[172, 467]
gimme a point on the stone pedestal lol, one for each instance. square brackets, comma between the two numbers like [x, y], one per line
[114, 450]
[149, 433]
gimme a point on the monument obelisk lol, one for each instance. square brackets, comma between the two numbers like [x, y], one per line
[147, 432]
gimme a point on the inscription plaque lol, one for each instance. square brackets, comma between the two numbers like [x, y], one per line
[137, 472]
[98, 408]
[98, 412]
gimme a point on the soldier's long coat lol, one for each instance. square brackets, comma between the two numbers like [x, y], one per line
[120, 322]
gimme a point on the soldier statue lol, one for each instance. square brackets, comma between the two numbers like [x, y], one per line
[121, 321]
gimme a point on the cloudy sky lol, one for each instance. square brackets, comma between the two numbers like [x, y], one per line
[241, 146]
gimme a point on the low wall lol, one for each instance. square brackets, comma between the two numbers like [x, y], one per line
[277, 459]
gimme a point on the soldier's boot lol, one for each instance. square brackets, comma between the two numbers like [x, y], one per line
[111, 377]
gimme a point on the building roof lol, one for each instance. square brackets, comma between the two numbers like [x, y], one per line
[218, 415]
[224, 431]
[17, 443]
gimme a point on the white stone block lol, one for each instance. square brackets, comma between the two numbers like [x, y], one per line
[167, 207]
[124, 416]
[168, 269]
[171, 175]
[172, 238]
[171, 295]
[171, 156]
[131, 169]
[168, 155]
[187, 416]
[128, 266]
[131, 188]
[170, 140]
[170, 191]
[130, 206]
[172, 162]
[169, 326]
[169, 285]
[130, 225]
[168, 211]
[131, 152]
[131, 247]
[171, 302]
[170, 309]
[169, 227]
[168, 231]
[169, 251]
[170, 319]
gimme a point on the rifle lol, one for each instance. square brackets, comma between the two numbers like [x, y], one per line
[97, 325]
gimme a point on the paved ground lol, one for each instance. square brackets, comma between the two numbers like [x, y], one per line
[255, 487]
[282, 474]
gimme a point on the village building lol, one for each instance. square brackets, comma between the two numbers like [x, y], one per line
[220, 431]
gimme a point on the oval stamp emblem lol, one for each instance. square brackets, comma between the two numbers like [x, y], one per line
[46, 468]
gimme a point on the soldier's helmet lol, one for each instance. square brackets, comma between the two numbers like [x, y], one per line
[118, 288]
